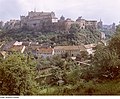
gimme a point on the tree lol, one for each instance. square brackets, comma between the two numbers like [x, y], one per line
[17, 76]
[106, 63]
[74, 28]
[114, 43]
[84, 54]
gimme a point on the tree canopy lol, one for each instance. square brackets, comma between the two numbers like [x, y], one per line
[17, 76]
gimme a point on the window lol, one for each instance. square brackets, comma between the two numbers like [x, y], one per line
[34, 24]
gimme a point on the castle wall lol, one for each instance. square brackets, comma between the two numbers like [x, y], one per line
[46, 21]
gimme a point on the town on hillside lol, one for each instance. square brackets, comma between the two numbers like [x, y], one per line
[47, 21]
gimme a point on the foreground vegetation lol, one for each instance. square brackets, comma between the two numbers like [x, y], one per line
[22, 75]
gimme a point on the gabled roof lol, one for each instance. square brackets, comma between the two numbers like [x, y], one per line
[20, 48]
[80, 47]
[45, 50]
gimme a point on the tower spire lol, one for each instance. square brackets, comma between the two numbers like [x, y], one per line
[34, 9]
[34, 5]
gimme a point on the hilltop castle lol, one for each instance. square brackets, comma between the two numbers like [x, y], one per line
[47, 21]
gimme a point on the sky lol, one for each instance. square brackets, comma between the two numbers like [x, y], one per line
[106, 10]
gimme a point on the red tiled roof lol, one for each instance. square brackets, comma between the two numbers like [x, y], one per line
[45, 50]
[16, 48]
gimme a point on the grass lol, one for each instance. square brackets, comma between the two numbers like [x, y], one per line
[89, 88]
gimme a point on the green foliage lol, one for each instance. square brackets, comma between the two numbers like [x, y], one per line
[84, 54]
[86, 88]
[76, 36]
[73, 77]
[17, 76]
[107, 63]
[114, 43]
[75, 28]
[106, 60]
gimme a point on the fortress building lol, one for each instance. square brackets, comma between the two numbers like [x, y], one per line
[39, 20]
[12, 24]
[47, 22]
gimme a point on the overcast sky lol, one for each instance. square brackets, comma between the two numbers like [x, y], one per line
[107, 10]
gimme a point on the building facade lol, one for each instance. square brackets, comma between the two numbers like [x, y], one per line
[72, 51]
[45, 52]
[39, 20]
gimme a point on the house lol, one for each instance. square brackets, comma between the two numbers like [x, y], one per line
[103, 42]
[44, 52]
[72, 51]
[103, 36]
[33, 43]
[26, 43]
[18, 48]
[17, 43]
[90, 48]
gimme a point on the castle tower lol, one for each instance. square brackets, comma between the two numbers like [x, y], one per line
[100, 24]
[1, 24]
[79, 19]
[62, 18]
[113, 27]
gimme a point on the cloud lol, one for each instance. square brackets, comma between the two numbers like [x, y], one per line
[107, 10]
[9, 9]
